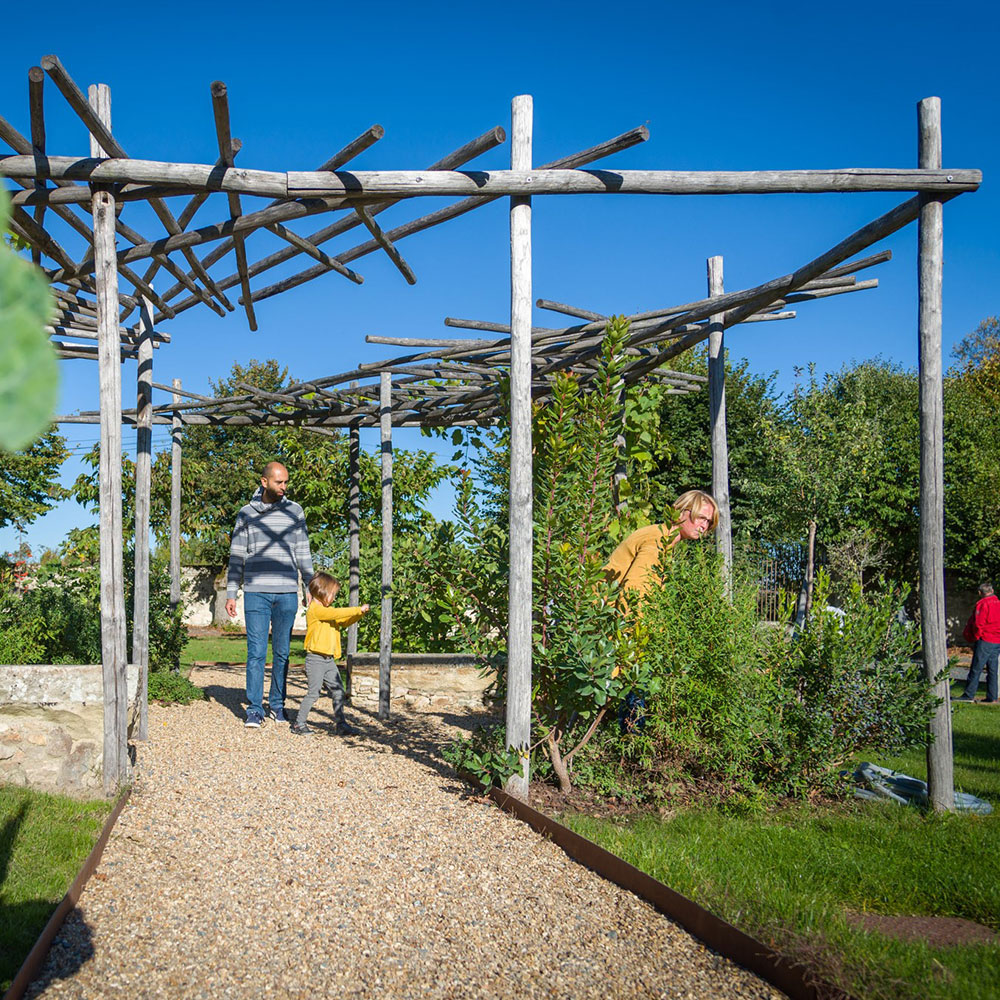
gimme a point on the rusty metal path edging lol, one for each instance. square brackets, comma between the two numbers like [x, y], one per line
[722, 937]
[31, 965]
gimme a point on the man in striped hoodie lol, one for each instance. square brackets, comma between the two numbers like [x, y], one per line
[268, 554]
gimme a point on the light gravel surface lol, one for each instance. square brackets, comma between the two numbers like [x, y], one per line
[254, 863]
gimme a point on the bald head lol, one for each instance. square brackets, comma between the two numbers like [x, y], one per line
[274, 482]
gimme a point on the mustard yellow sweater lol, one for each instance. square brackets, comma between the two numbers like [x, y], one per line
[323, 627]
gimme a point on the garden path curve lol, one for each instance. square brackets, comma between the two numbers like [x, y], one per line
[254, 863]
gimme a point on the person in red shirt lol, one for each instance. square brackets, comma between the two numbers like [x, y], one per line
[984, 628]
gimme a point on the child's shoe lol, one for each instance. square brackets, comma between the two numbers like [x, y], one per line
[301, 729]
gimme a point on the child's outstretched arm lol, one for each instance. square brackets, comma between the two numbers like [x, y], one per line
[338, 617]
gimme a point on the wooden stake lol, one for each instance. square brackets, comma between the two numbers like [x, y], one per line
[940, 769]
[354, 529]
[143, 471]
[175, 502]
[520, 591]
[113, 644]
[385, 635]
[717, 403]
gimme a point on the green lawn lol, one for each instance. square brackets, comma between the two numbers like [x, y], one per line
[790, 877]
[44, 840]
[228, 649]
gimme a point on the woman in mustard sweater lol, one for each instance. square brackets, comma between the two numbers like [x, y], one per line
[323, 625]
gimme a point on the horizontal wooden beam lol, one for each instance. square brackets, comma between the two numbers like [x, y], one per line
[377, 184]
[417, 183]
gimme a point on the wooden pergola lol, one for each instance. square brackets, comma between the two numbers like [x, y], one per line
[439, 382]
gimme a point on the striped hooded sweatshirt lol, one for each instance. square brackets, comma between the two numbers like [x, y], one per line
[270, 548]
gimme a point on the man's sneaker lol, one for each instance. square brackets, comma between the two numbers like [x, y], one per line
[344, 728]
[253, 720]
[278, 714]
[964, 697]
[301, 729]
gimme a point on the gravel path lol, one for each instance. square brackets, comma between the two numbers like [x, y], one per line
[254, 863]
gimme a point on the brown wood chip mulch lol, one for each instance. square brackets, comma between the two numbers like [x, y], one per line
[255, 863]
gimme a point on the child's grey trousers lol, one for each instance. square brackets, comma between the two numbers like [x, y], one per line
[322, 670]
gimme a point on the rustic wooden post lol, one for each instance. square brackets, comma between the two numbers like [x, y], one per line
[717, 401]
[354, 533]
[520, 594]
[385, 633]
[940, 771]
[113, 640]
[175, 501]
[143, 473]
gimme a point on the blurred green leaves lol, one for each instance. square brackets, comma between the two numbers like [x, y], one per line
[29, 374]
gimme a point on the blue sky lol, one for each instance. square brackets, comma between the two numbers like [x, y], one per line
[735, 86]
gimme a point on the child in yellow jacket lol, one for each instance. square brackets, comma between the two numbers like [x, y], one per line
[323, 625]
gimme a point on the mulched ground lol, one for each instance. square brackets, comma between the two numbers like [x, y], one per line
[254, 863]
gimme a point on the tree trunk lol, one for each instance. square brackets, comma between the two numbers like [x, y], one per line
[810, 567]
[558, 764]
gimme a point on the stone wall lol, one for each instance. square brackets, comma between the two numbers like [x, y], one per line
[421, 680]
[203, 603]
[52, 726]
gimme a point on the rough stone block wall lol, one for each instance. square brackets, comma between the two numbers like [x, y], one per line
[420, 682]
[52, 726]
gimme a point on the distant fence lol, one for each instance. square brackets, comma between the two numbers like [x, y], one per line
[778, 571]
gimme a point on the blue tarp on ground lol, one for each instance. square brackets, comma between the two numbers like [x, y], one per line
[874, 782]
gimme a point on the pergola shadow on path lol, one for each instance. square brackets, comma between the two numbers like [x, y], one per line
[439, 383]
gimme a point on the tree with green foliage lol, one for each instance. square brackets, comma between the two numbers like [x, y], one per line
[29, 484]
[581, 667]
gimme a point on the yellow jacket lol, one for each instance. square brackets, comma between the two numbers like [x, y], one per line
[633, 564]
[323, 627]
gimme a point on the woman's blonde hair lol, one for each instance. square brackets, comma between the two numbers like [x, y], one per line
[324, 587]
[694, 501]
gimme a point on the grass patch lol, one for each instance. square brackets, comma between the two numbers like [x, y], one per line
[790, 877]
[44, 840]
[228, 649]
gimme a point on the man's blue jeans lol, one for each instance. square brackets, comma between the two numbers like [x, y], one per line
[983, 655]
[277, 613]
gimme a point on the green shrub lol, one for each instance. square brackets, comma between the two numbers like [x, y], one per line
[175, 688]
[742, 710]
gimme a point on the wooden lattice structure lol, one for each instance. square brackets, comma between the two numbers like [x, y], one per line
[439, 382]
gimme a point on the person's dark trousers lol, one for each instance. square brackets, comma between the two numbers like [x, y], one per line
[984, 654]
[263, 612]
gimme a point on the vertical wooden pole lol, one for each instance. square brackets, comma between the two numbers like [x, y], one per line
[717, 402]
[113, 640]
[354, 528]
[940, 771]
[520, 594]
[385, 634]
[143, 473]
[175, 502]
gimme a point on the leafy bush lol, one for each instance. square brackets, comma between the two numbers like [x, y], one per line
[167, 686]
[743, 710]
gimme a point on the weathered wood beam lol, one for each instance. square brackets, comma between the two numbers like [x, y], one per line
[112, 148]
[930, 237]
[525, 183]
[220, 110]
[112, 576]
[519, 612]
[176, 437]
[313, 251]
[561, 307]
[488, 140]
[386, 244]
[717, 420]
[385, 630]
[36, 109]
[143, 490]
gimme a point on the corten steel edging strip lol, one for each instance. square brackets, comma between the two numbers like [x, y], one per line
[713, 931]
[33, 963]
